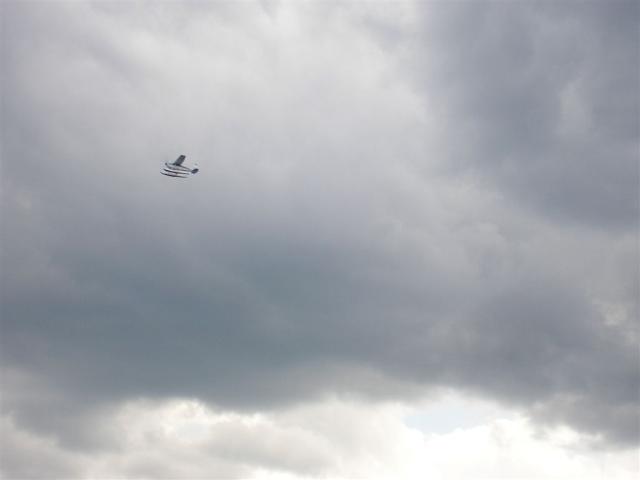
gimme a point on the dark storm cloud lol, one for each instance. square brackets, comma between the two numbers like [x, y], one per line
[542, 99]
[309, 255]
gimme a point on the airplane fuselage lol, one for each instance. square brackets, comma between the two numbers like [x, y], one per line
[177, 170]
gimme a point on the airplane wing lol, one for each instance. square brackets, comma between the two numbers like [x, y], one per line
[179, 160]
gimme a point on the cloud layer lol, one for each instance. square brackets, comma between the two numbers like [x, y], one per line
[329, 439]
[392, 200]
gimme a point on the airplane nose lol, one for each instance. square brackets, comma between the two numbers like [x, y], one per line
[195, 170]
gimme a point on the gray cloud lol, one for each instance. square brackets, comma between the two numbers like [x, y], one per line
[334, 240]
[541, 99]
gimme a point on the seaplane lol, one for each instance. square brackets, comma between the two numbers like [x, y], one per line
[178, 170]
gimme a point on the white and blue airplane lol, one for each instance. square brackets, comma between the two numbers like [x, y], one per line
[178, 170]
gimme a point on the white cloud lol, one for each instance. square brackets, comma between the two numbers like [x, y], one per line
[336, 438]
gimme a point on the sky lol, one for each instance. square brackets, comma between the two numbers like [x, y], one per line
[411, 250]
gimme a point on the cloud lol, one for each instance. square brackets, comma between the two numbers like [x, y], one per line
[333, 438]
[368, 219]
[540, 100]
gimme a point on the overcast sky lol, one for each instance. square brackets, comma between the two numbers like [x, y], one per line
[411, 250]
